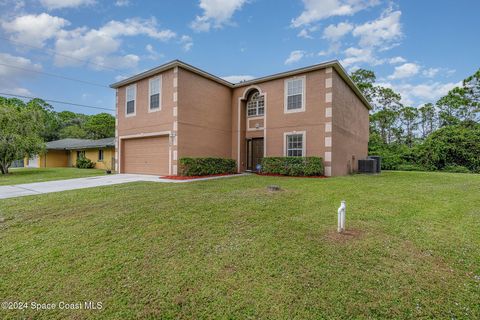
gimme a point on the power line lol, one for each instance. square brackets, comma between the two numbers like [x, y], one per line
[55, 75]
[53, 52]
[55, 101]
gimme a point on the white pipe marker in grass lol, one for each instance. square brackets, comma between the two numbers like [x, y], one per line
[341, 217]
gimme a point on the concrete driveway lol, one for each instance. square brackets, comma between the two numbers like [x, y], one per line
[28, 189]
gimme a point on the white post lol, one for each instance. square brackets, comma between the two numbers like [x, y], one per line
[341, 217]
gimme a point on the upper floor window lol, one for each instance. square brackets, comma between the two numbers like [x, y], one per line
[155, 97]
[295, 94]
[294, 144]
[255, 105]
[130, 100]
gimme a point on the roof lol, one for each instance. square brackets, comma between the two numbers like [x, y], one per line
[177, 63]
[72, 144]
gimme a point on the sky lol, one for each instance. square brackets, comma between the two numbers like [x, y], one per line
[72, 50]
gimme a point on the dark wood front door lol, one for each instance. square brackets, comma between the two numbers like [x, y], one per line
[254, 153]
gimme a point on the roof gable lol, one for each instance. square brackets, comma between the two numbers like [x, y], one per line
[177, 63]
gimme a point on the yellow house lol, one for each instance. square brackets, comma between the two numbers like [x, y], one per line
[64, 153]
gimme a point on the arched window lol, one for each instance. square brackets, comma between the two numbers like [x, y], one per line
[255, 105]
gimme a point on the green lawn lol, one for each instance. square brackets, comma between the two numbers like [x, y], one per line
[230, 249]
[27, 175]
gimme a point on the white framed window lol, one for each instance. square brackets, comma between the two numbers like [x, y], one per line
[100, 154]
[294, 144]
[295, 94]
[155, 94]
[256, 105]
[130, 97]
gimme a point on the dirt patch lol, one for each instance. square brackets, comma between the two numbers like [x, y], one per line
[346, 236]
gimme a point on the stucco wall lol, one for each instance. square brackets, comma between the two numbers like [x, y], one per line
[54, 159]
[350, 128]
[204, 117]
[92, 154]
[277, 122]
[144, 121]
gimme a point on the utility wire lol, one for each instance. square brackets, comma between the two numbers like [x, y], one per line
[55, 101]
[52, 52]
[55, 75]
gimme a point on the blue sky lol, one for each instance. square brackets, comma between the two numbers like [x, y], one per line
[419, 48]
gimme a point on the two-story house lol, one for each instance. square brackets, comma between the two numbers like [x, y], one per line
[177, 110]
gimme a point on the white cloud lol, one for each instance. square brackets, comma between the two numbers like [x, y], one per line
[421, 93]
[354, 56]
[61, 4]
[238, 78]
[101, 46]
[304, 34]
[120, 77]
[431, 72]
[405, 70]
[34, 29]
[335, 32]
[396, 60]
[380, 32]
[316, 10]
[11, 78]
[295, 56]
[122, 3]
[216, 13]
[186, 42]
[153, 54]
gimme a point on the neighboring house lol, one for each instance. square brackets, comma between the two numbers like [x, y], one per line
[64, 153]
[177, 110]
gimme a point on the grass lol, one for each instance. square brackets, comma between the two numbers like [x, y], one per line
[230, 249]
[27, 175]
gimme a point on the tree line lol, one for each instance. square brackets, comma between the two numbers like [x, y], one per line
[441, 135]
[26, 126]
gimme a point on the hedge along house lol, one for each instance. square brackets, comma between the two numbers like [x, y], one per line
[177, 110]
[64, 153]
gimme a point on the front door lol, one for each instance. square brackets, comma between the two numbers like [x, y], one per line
[254, 153]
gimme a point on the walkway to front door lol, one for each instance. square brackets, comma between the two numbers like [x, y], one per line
[254, 153]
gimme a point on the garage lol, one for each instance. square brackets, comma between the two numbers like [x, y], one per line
[145, 155]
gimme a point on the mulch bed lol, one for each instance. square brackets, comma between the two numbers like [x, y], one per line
[195, 177]
[281, 175]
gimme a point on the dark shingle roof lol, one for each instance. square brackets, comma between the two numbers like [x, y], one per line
[70, 144]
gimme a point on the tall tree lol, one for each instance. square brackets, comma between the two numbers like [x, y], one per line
[100, 126]
[409, 119]
[427, 115]
[21, 126]
[451, 107]
[365, 79]
[383, 122]
[471, 86]
[50, 118]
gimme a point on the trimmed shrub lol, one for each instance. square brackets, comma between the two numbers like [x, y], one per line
[206, 166]
[293, 166]
[456, 169]
[85, 163]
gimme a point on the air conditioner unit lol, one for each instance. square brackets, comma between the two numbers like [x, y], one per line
[367, 166]
[379, 163]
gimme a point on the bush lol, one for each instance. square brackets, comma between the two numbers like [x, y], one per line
[456, 169]
[85, 163]
[293, 166]
[206, 166]
[411, 167]
[453, 146]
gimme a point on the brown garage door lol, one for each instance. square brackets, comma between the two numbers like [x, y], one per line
[145, 155]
